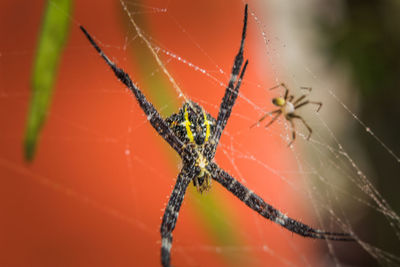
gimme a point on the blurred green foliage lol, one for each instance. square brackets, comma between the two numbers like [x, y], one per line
[52, 37]
[368, 38]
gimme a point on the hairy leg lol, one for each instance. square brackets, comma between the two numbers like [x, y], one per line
[152, 114]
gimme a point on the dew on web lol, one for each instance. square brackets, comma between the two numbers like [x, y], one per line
[322, 197]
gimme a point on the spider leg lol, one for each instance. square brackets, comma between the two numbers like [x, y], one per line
[273, 119]
[264, 116]
[171, 215]
[256, 203]
[316, 103]
[306, 88]
[152, 114]
[293, 132]
[286, 90]
[309, 102]
[305, 124]
[299, 99]
[232, 90]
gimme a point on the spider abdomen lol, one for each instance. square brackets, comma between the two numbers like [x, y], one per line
[195, 127]
[288, 108]
[192, 124]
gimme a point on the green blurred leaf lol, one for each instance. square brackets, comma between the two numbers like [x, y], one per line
[53, 35]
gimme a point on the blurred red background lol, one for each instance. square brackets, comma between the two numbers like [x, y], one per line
[95, 192]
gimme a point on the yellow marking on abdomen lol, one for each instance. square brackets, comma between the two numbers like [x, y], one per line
[207, 123]
[187, 123]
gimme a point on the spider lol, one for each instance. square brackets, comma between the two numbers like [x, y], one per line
[288, 106]
[195, 134]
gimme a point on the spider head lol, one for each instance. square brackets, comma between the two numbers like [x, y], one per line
[278, 101]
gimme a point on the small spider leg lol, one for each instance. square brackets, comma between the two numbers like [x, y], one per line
[152, 114]
[257, 204]
[299, 99]
[231, 91]
[309, 102]
[274, 119]
[171, 215]
[306, 88]
[276, 86]
[286, 91]
[284, 86]
[305, 124]
[293, 132]
[265, 116]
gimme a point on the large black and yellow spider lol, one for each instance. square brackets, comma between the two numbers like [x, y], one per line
[287, 106]
[195, 134]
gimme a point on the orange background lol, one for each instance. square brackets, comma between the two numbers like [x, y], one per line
[84, 201]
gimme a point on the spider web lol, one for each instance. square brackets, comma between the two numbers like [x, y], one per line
[102, 175]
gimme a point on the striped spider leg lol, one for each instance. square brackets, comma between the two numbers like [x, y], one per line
[257, 204]
[153, 116]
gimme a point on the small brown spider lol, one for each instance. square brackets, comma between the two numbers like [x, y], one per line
[288, 108]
